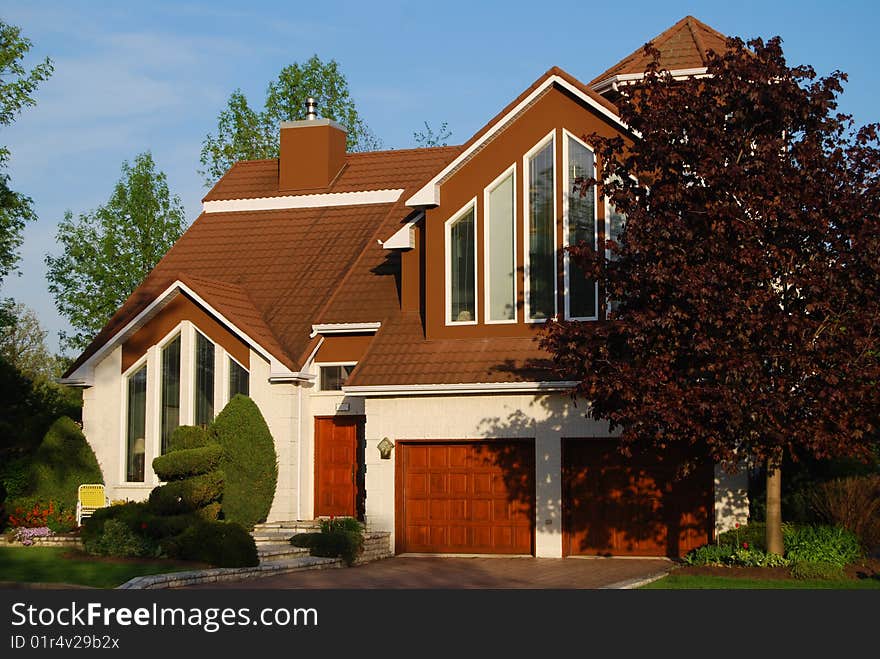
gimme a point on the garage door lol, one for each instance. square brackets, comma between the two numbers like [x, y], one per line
[631, 506]
[465, 497]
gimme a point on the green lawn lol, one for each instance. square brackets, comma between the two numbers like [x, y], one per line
[692, 582]
[47, 565]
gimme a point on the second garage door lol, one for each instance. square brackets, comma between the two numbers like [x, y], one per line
[465, 497]
[633, 506]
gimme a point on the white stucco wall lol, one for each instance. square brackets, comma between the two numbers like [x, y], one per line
[731, 498]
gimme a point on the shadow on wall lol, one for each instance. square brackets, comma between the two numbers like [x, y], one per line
[644, 503]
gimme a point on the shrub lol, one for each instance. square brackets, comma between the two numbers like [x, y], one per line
[822, 544]
[851, 503]
[710, 555]
[187, 437]
[187, 495]
[306, 540]
[249, 461]
[746, 557]
[132, 514]
[816, 570]
[117, 539]
[183, 463]
[16, 478]
[62, 462]
[224, 544]
[341, 537]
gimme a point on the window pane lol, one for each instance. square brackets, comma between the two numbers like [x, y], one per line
[204, 380]
[137, 425]
[333, 378]
[581, 227]
[502, 294]
[463, 278]
[239, 379]
[542, 251]
[170, 390]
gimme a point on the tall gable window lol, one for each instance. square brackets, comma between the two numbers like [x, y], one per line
[136, 425]
[540, 233]
[170, 390]
[239, 379]
[500, 252]
[579, 222]
[204, 380]
[461, 267]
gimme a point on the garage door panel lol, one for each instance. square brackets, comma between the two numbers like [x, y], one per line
[631, 506]
[464, 486]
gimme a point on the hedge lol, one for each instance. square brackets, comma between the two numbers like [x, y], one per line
[186, 495]
[183, 463]
[249, 461]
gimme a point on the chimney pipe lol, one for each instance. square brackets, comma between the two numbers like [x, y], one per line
[311, 109]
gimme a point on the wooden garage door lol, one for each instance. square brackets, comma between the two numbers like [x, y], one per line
[631, 506]
[465, 497]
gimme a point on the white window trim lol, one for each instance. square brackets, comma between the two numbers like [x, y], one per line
[123, 422]
[565, 225]
[192, 373]
[527, 312]
[487, 298]
[447, 229]
[320, 382]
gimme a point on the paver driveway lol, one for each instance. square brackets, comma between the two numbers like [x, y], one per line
[439, 572]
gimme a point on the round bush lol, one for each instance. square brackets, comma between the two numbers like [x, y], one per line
[249, 461]
[224, 544]
[187, 495]
[62, 462]
[177, 465]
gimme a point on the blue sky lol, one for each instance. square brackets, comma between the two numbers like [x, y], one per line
[136, 76]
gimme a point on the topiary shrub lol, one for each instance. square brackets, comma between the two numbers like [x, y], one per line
[177, 465]
[225, 544]
[340, 537]
[187, 495]
[187, 437]
[249, 461]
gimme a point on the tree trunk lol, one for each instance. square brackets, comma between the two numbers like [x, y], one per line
[774, 510]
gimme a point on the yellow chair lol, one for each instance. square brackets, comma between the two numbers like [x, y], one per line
[89, 498]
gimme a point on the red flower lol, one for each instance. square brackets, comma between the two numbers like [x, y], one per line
[737, 525]
[745, 545]
[143, 525]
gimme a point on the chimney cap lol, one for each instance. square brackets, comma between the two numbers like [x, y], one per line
[311, 109]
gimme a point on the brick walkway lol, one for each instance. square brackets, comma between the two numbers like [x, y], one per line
[435, 572]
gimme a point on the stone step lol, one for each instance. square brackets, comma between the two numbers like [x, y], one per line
[279, 552]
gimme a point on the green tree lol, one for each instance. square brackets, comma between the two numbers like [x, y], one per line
[107, 252]
[244, 133]
[23, 344]
[428, 137]
[17, 85]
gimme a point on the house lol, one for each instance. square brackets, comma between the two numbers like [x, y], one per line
[381, 309]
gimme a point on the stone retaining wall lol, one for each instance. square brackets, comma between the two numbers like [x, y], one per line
[377, 545]
[51, 541]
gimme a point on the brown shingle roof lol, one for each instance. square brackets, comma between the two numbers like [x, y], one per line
[683, 46]
[374, 170]
[400, 355]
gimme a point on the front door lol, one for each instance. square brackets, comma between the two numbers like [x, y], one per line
[336, 466]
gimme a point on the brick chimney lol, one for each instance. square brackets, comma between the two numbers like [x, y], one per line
[312, 152]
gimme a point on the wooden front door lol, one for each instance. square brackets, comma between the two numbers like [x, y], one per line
[336, 466]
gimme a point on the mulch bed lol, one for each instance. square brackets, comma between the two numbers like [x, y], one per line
[78, 555]
[868, 568]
